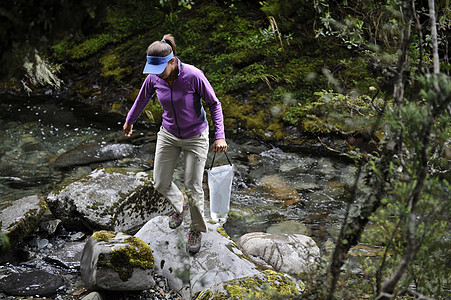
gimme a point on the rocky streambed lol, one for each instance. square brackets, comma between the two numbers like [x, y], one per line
[47, 259]
[77, 162]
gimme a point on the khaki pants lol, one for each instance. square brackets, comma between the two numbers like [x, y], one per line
[167, 154]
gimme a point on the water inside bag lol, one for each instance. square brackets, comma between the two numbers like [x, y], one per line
[220, 185]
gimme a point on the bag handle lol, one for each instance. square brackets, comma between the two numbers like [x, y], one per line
[214, 155]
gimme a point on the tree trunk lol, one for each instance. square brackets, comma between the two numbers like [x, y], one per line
[434, 37]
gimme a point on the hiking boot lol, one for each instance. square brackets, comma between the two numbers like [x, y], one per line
[177, 218]
[194, 241]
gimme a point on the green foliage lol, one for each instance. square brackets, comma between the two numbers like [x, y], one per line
[418, 131]
[182, 3]
[36, 25]
[334, 112]
[291, 14]
[91, 46]
[154, 111]
[117, 27]
[110, 63]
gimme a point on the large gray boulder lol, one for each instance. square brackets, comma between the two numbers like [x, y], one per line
[19, 219]
[218, 260]
[116, 262]
[286, 253]
[111, 199]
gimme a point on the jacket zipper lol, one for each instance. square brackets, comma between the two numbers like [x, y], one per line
[175, 115]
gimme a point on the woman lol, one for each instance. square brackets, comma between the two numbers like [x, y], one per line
[179, 88]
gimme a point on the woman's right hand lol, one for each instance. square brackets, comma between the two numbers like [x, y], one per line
[128, 129]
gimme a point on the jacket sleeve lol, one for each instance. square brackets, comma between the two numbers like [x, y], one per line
[207, 93]
[144, 96]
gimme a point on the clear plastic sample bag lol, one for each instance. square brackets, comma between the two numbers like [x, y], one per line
[220, 186]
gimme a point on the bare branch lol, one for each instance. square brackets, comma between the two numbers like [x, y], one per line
[420, 35]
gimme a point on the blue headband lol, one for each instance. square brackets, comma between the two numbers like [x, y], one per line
[157, 64]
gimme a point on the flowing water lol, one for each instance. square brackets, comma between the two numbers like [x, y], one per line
[273, 191]
[34, 131]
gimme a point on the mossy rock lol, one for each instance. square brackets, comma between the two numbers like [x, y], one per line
[135, 254]
[117, 261]
[19, 220]
[267, 285]
[108, 198]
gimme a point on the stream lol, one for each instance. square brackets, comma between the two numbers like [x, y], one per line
[273, 191]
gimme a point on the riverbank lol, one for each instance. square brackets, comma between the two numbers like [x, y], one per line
[272, 89]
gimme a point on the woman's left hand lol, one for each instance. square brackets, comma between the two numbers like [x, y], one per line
[220, 145]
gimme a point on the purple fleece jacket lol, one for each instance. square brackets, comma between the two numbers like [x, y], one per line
[183, 113]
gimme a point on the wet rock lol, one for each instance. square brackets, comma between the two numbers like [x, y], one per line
[68, 256]
[280, 190]
[19, 219]
[117, 262]
[219, 259]
[255, 287]
[326, 167]
[31, 146]
[289, 227]
[50, 226]
[301, 164]
[77, 236]
[43, 243]
[286, 253]
[113, 199]
[93, 153]
[248, 145]
[24, 180]
[306, 182]
[31, 283]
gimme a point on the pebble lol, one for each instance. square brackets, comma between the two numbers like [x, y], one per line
[77, 236]
[43, 243]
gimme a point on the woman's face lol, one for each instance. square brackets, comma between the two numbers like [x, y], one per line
[169, 69]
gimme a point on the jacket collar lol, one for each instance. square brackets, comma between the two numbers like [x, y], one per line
[180, 66]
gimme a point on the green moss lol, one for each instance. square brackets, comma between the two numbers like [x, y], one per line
[269, 286]
[205, 295]
[60, 49]
[222, 231]
[144, 200]
[132, 96]
[23, 227]
[5, 244]
[111, 67]
[136, 254]
[274, 284]
[277, 129]
[104, 235]
[91, 46]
